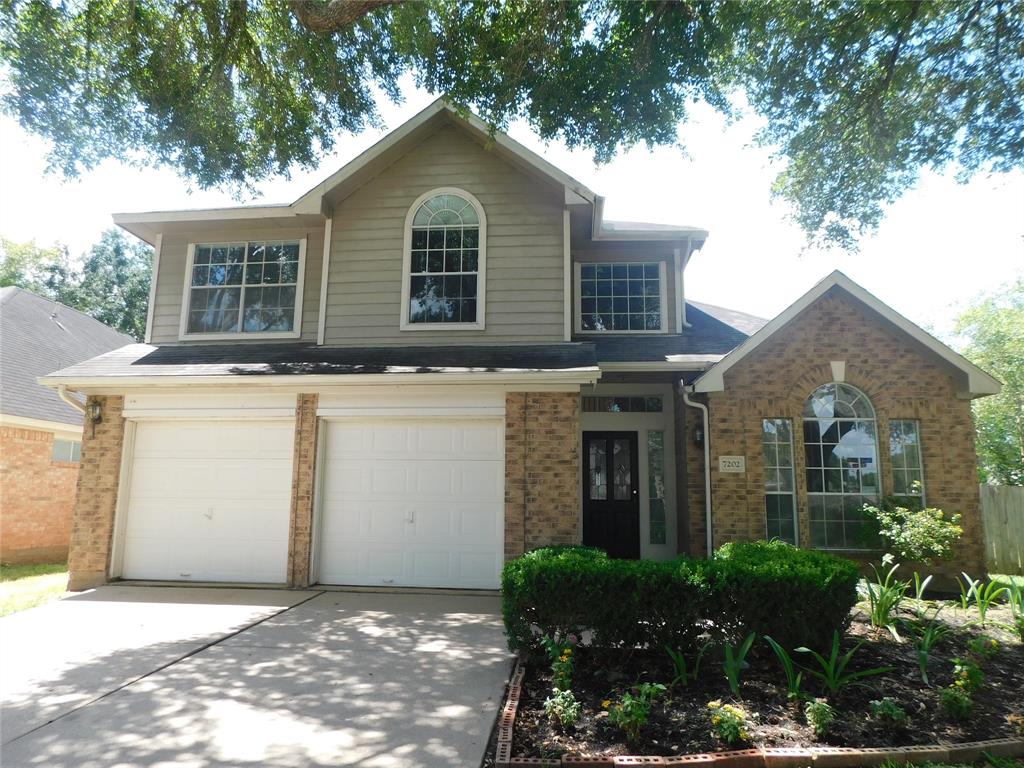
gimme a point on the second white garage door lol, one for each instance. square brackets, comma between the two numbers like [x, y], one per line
[413, 502]
[209, 501]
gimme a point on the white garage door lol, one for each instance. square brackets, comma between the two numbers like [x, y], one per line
[209, 501]
[413, 503]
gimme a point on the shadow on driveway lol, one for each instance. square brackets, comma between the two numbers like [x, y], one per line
[340, 679]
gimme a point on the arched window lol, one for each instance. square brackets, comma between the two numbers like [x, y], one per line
[445, 240]
[841, 450]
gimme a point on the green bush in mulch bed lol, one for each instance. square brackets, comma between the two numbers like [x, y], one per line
[797, 596]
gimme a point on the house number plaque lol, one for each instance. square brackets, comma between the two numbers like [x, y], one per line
[736, 464]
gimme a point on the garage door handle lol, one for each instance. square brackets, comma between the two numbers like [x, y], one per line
[410, 516]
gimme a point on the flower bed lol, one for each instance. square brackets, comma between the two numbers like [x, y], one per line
[775, 729]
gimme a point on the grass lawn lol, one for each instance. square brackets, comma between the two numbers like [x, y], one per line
[26, 586]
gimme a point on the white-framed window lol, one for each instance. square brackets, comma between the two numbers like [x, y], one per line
[841, 466]
[620, 297]
[67, 450]
[444, 274]
[249, 289]
[905, 453]
[779, 487]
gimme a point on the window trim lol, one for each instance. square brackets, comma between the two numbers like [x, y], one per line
[578, 298]
[792, 469]
[186, 296]
[481, 271]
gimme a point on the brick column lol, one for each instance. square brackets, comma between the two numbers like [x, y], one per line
[542, 470]
[99, 474]
[300, 528]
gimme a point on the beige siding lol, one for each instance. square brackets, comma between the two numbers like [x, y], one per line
[633, 252]
[524, 248]
[170, 287]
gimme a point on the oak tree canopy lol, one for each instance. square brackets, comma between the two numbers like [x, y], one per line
[858, 96]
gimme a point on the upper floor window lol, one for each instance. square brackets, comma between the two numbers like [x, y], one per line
[620, 297]
[444, 262]
[243, 288]
[841, 450]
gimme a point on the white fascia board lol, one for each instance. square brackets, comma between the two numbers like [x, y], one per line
[688, 363]
[303, 382]
[979, 383]
[203, 214]
[311, 202]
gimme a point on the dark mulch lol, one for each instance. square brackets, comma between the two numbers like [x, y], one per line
[680, 724]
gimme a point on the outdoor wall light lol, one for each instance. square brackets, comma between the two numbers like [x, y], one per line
[95, 413]
[698, 435]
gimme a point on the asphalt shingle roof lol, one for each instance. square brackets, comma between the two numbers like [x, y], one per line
[714, 332]
[294, 359]
[39, 336]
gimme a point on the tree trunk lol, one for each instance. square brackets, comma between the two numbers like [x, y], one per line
[333, 15]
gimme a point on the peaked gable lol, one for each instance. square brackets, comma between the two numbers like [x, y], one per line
[976, 382]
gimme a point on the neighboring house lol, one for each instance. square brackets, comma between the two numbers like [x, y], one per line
[40, 435]
[443, 356]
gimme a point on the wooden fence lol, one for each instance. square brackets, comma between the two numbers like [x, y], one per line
[1002, 512]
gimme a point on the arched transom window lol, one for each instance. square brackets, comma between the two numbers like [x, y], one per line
[841, 451]
[444, 261]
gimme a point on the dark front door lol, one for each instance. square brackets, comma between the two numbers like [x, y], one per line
[611, 496]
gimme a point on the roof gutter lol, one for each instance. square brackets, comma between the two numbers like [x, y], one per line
[301, 381]
[687, 390]
[62, 393]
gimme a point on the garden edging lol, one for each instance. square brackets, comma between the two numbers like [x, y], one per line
[769, 757]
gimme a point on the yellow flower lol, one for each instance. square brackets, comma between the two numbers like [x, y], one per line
[606, 703]
[567, 652]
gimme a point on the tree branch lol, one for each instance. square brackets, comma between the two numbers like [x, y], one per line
[333, 15]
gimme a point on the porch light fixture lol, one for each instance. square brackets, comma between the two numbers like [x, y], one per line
[698, 435]
[95, 413]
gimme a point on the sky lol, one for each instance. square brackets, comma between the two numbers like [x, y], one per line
[941, 245]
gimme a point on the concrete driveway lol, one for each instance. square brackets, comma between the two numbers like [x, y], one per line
[162, 676]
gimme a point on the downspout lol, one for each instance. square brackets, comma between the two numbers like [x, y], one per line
[707, 464]
[62, 393]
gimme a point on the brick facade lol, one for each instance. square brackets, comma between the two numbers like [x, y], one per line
[903, 381]
[542, 470]
[96, 497]
[37, 496]
[300, 528]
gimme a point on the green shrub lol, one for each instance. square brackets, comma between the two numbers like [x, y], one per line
[633, 710]
[796, 596]
[799, 597]
[920, 535]
[820, 716]
[956, 702]
[562, 709]
[888, 712]
[729, 722]
[624, 603]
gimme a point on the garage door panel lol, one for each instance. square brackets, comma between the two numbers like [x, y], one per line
[209, 501]
[427, 508]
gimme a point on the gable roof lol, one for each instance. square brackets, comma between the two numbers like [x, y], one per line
[318, 202]
[978, 383]
[39, 336]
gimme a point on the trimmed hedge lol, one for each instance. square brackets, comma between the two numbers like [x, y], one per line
[623, 603]
[799, 597]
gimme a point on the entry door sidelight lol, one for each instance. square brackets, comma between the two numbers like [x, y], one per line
[611, 495]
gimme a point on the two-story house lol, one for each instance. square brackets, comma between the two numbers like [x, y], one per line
[443, 356]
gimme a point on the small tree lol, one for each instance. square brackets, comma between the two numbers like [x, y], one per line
[993, 332]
